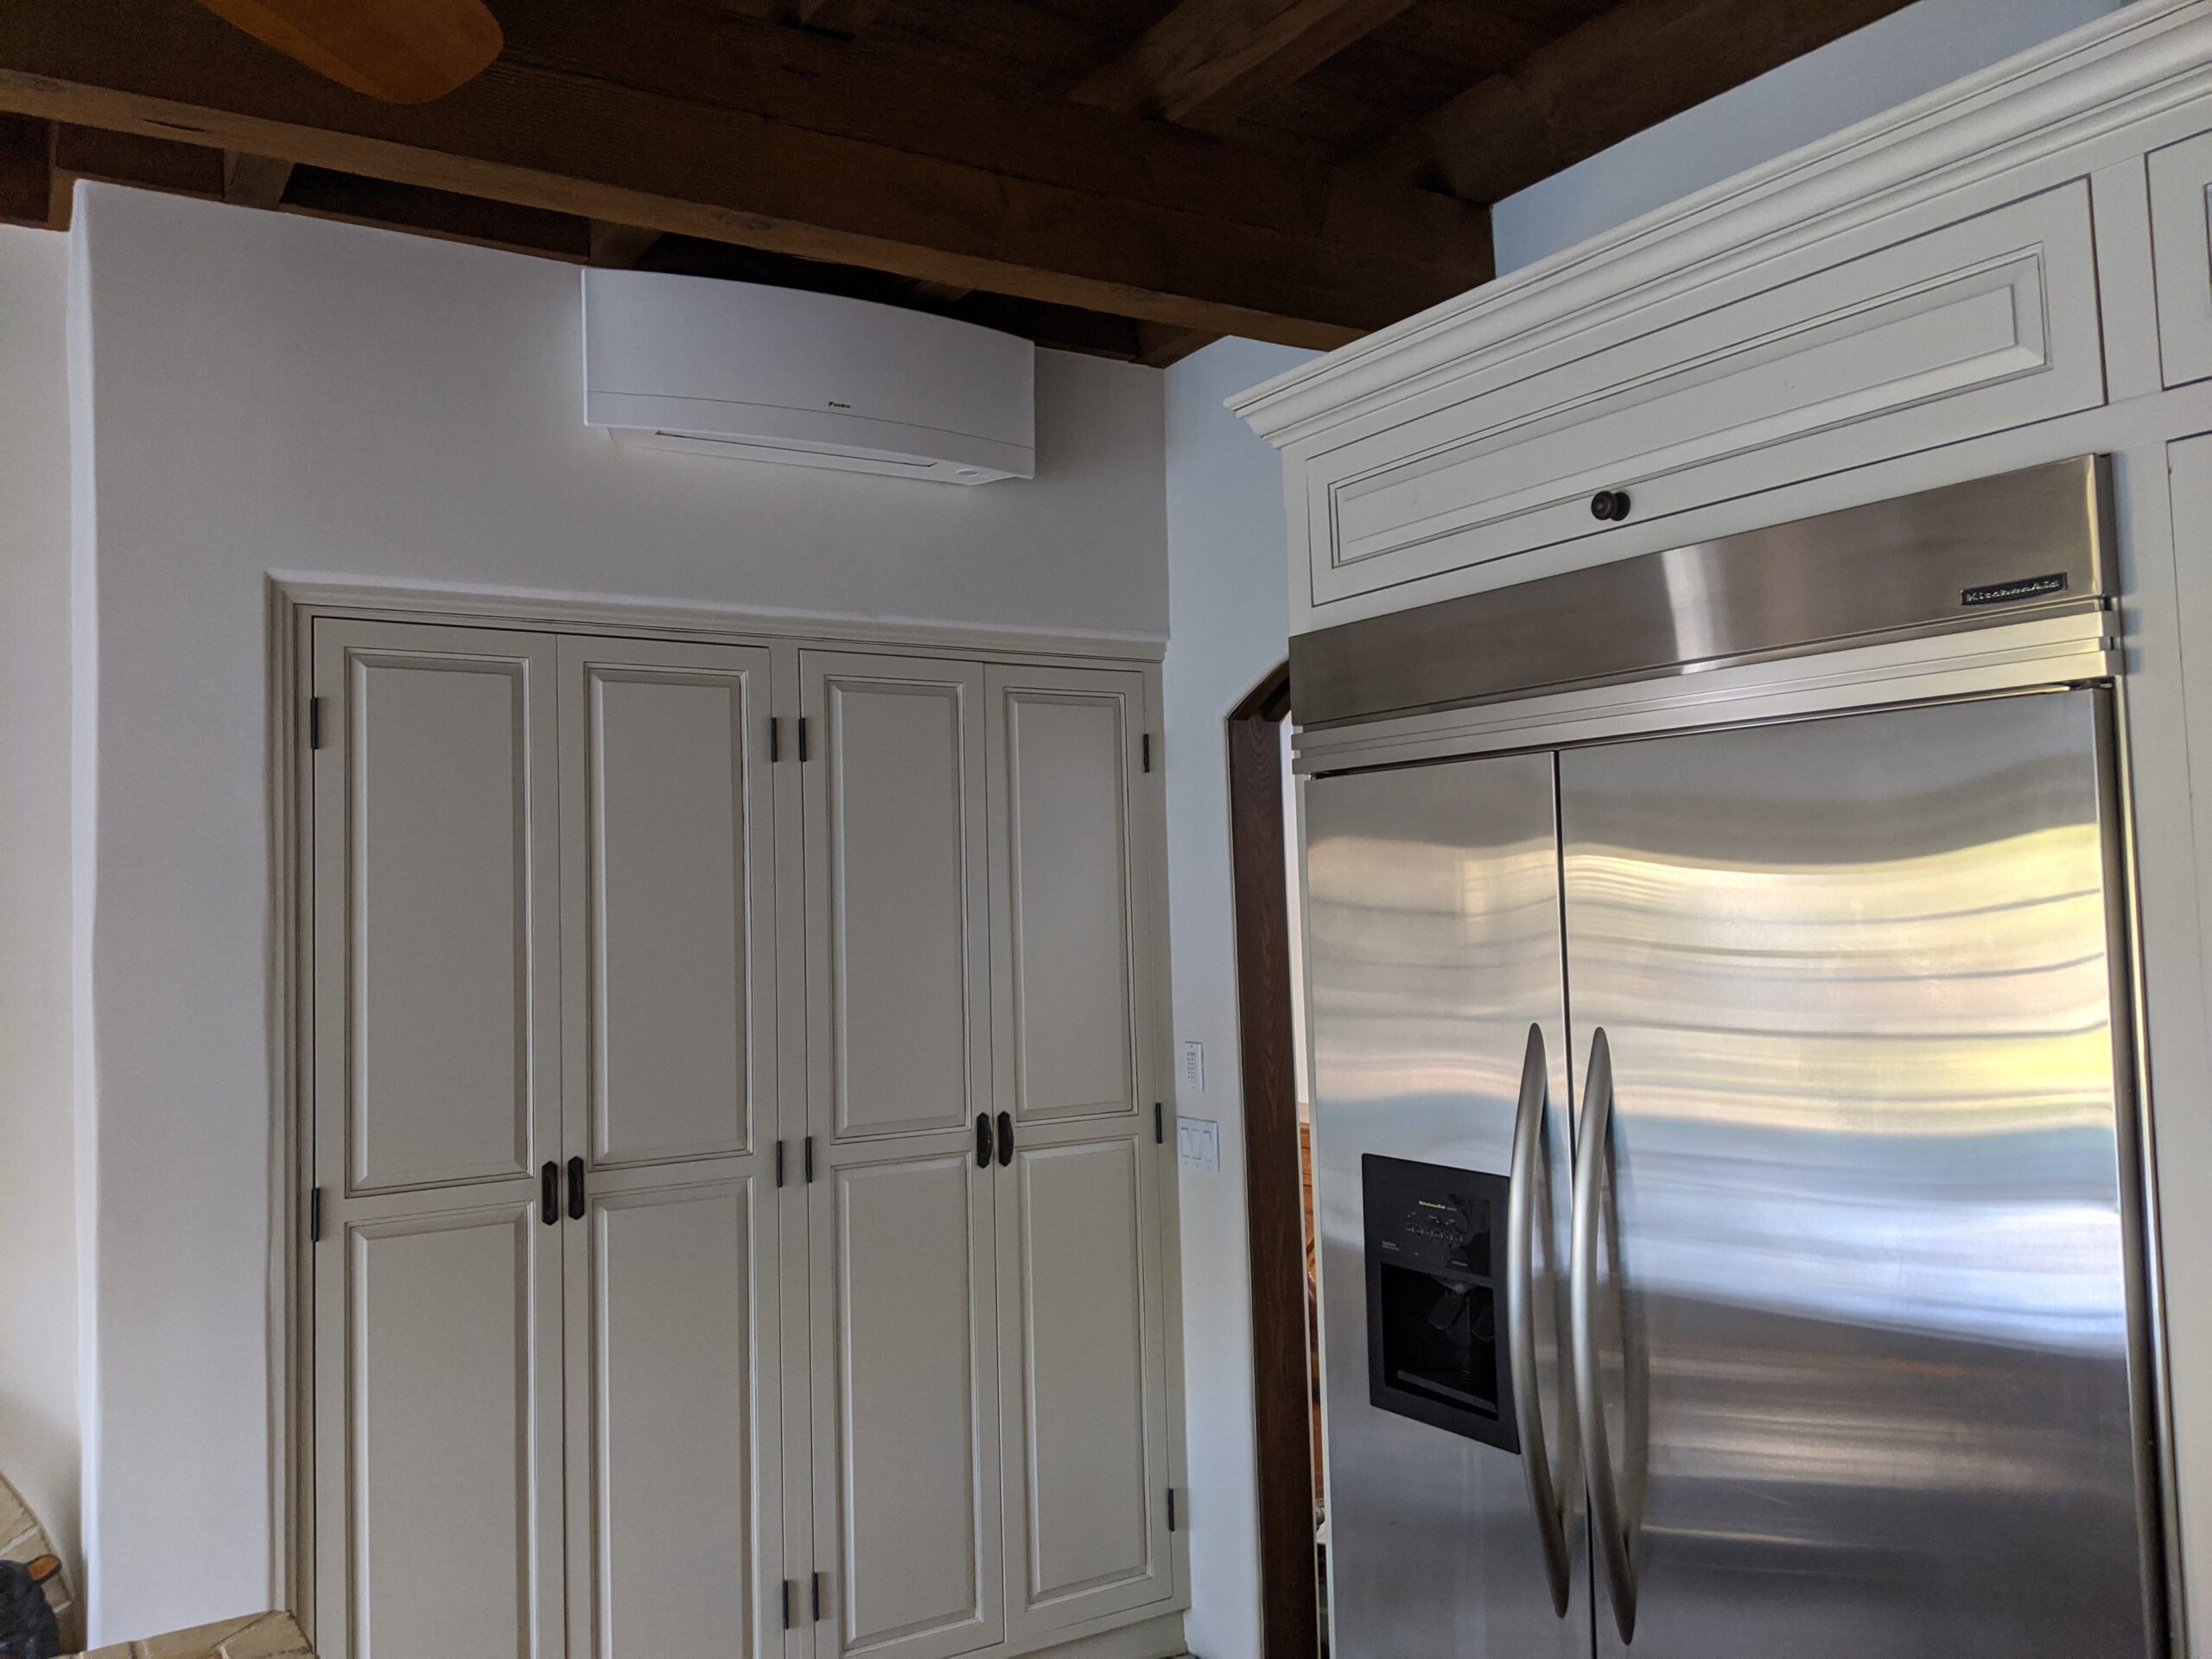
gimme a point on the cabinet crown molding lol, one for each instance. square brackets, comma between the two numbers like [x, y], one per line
[2146, 58]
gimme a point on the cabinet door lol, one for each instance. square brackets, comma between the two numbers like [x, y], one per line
[907, 1516]
[437, 1286]
[1065, 965]
[897, 1013]
[1082, 1368]
[674, 1452]
[2181, 231]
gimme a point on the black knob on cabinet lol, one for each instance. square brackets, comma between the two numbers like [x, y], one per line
[1609, 506]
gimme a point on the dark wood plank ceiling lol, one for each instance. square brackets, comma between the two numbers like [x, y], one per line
[1127, 177]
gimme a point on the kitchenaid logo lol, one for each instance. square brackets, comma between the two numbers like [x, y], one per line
[2000, 593]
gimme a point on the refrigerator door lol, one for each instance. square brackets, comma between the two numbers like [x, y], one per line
[1861, 1264]
[1434, 954]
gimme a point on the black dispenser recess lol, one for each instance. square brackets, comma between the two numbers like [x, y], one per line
[1436, 1325]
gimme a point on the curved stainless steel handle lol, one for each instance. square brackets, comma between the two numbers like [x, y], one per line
[1594, 1195]
[1531, 1164]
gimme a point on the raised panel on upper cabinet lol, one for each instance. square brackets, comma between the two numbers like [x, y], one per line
[898, 1020]
[1985, 324]
[666, 827]
[2181, 233]
[1062, 750]
[1085, 1379]
[436, 903]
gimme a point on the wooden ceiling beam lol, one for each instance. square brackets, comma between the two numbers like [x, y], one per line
[848, 18]
[1627, 69]
[255, 181]
[620, 246]
[1321, 258]
[151, 163]
[319, 192]
[1208, 61]
[27, 190]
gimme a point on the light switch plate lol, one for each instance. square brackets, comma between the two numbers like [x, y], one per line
[1197, 1143]
[1194, 1066]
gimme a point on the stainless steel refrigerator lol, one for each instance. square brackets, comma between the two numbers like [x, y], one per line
[1725, 1124]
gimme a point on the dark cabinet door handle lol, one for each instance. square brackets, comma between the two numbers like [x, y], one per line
[983, 1140]
[549, 1193]
[1609, 506]
[576, 1189]
[1006, 1138]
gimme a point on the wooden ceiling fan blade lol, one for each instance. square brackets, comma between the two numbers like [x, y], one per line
[400, 51]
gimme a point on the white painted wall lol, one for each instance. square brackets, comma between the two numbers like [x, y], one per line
[1924, 47]
[38, 1329]
[1228, 612]
[269, 392]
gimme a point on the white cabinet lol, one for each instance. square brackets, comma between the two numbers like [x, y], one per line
[437, 1338]
[2181, 232]
[650, 1318]
[1987, 323]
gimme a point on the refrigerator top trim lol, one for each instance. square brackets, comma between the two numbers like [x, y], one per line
[1986, 554]
[2074, 646]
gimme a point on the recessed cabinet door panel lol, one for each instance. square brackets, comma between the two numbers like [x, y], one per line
[437, 897]
[1063, 743]
[666, 824]
[440, 1437]
[669, 1387]
[1087, 1425]
[895, 852]
[905, 1332]
[2181, 230]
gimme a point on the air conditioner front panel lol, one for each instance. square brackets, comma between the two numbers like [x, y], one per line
[792, 375]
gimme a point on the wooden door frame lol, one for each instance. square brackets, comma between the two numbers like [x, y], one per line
[1274, 1219]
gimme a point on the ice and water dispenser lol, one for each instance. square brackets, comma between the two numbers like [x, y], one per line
[1436, 1316]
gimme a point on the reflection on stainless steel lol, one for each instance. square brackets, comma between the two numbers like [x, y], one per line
[1887, 567]
[1868, 1245]
[1433, 941]
[1532, 1218]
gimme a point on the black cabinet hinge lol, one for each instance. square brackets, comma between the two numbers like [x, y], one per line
[314, 1215]
[1158, 1124]
[802, 740]
[1147, 751]
[1171, 1509]
[315, 722]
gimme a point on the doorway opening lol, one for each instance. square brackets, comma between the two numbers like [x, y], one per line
[1278, 1154]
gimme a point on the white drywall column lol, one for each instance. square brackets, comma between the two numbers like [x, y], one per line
[38, 1333]
[1228, 625]
[270, 392]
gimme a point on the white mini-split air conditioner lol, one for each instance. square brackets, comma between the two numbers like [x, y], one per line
[735, 368]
